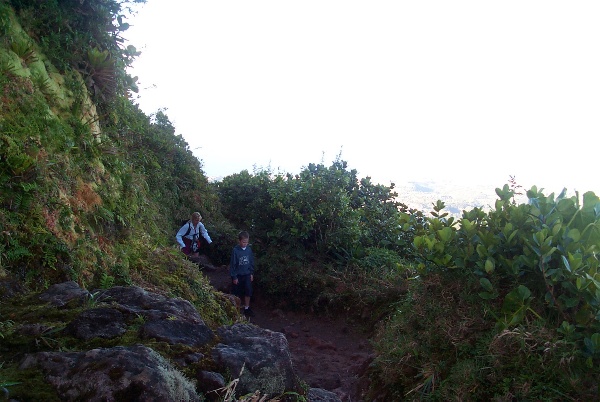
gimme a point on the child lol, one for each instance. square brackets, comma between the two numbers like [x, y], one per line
[241, 269]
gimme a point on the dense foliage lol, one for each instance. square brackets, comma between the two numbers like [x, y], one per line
[507, 304]
[511, 293]
[315, 232]
[323, 211]
[82, 35]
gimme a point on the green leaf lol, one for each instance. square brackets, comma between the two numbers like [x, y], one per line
[592, 344]
[524, 292]
[566, 262]
[466, 224]
[489, 265]
[515, 299]
[488, 295]
[481, 250]
[574, 234]
[486, 284]
[572, 302]
[581, 283]
[566, 329]
[517, 317]
[445, 234]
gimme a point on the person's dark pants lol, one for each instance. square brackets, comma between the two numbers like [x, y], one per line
[244, 287]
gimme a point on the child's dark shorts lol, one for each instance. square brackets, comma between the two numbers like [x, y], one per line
[244, 286]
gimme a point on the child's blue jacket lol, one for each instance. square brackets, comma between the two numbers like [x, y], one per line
[242, 262]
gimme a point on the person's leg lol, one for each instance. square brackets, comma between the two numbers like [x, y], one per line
[235, 289]
[194, 257]
[246, 284]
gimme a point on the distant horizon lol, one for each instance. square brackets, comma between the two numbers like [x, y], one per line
[465, 92]
[548, 188]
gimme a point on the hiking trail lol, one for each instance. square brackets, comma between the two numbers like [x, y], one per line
[327, 352]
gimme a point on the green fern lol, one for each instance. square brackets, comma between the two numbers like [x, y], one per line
[5, 12]
[16, 252]
[12, 156]
[49, 259]
[22, 201]
[6, 67]
[106, 281]
[25, 50]
[43, 82]
[6, 328]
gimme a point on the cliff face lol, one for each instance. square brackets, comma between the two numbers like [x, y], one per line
[46, 117]
[92, 190]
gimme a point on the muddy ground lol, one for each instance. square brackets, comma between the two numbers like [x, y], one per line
[327, 352]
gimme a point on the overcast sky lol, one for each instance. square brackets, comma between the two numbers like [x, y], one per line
[466, 91]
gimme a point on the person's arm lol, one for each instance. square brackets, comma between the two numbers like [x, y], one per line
[204, 232]
[180, 234]
[233, 265]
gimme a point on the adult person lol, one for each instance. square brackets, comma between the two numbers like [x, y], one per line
[188, 237]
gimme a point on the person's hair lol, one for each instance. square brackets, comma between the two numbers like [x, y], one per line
[243, 235]
[197, 215]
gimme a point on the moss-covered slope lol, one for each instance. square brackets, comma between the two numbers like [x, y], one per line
[92, 189]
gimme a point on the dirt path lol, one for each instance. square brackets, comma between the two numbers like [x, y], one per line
[327, 352]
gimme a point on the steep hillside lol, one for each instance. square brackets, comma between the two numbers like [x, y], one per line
[92, 189]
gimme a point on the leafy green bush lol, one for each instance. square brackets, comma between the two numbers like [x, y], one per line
[322, 210]
[291, 283]
[506, 304]
[303, 225]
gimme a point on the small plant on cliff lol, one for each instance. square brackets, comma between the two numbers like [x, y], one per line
[101, 74]
[6, 327]
[24, 48]
[4, 384]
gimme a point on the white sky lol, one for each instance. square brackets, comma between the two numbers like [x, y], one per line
[464, 91]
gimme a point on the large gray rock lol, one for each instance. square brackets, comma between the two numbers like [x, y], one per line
[133, 299]
[134, 373]
[321, 395]
[170, 320]
[62, 294]
[212, 385]
[104, 323]
[260, 358]
[178, 332]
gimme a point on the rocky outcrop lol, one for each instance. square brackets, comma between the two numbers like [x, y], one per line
[321, 395]
[197, 364]
[133, 373]
[260, 356]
